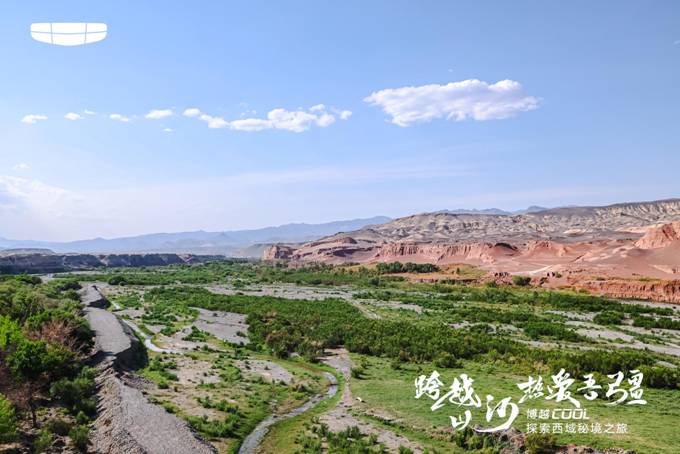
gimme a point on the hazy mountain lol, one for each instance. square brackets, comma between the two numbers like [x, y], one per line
[566, 224]
[234, 242]
[495, 211]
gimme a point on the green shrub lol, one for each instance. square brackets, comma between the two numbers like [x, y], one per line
[80, 437]
[535, 330]
[215, 428]
[447, 360]
[43, 441]
[59, 426]
[357, 372]
[398, 267]
[8, 422]
[540, 444]
[609, 318]
[521, 281]
[660, 322]
[117, 280]
[78, 393]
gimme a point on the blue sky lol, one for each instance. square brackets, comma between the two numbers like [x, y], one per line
[590, 117]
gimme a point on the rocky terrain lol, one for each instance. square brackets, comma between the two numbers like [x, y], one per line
[624, 243]
[127, 421]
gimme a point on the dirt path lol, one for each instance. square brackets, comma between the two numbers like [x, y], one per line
[341, 417]
[126, 421]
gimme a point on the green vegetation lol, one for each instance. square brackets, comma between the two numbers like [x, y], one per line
[77, 393]
[521, 281]
[43, 342]
[8, 421]
[285, 326]
[348, 441]
[392, 391]
[396, 330]
[80, 437]
[609, 318]
[537, 330]
[398, 267]
[659, 322]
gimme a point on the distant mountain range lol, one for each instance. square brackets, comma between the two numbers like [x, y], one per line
[237, 243]
[495, 211]
[240, 243]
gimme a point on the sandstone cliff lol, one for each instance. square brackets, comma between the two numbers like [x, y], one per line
[660, 236]
[666, 291]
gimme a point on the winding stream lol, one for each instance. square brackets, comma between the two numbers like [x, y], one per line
[148, 343]
[253, 440]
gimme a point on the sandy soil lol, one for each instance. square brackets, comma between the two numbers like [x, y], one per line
[228, 326]
[194, 372]
[268, 370]
[574, 315]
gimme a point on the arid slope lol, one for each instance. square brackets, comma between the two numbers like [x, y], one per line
[629, 241]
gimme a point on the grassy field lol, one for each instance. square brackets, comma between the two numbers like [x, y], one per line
[397, 326]
[651, 427]
[225, 402]
[283, 435]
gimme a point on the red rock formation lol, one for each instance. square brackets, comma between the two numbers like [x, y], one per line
[278, 252]
[443, 253]
[660, 236]
[546, 247]
[665, 291]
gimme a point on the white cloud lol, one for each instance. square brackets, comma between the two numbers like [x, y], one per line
[73, 116]
[192, 112]
[22, 166]
[345, 114]
[119, 117]
[214, 122]
[295, 120]
[158, 114]
[32, 119]
[89, 112]
[325, 119]
[456, 101]
[36, 208]
[250, 124]
[167, 130]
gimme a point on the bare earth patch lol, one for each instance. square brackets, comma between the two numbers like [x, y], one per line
[227, 326]
[194, 372]
[268, 370]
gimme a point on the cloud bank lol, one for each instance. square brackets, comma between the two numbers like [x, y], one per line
[467, 99]
[119, 117]
[295, 120]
